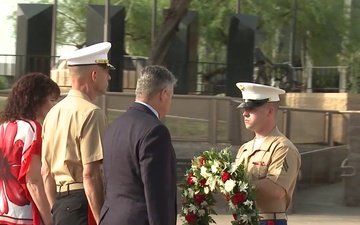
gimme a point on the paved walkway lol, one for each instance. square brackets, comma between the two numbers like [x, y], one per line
[300, 220]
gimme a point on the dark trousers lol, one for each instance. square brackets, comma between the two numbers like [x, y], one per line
[273, 222]
[71, 208]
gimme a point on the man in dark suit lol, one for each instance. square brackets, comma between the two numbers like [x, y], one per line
[139, 159]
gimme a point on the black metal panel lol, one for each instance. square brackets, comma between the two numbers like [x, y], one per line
[240, 52]
[33, 40]
[95, 34]
[182, 55]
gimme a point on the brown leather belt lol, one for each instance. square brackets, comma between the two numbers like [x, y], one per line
[69, 187]
[273, 216]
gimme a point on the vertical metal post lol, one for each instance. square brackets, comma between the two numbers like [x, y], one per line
[238, 6]
[106, 38]
[106, 20]
[293, 33]
[212, 133]
[286, 122]
[153, 23]
[53, 34]
[330, 133]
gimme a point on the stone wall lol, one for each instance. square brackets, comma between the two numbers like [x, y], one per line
[324, 101]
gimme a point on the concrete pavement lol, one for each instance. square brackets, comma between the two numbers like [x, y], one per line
[300, 220]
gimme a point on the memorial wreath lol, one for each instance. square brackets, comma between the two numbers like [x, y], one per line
[216, 171]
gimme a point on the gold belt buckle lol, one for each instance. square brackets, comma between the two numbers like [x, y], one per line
[60, 191]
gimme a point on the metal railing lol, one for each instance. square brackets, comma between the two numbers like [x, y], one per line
[206, 78]
[220, 112]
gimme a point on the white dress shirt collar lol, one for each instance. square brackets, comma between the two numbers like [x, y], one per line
[151, 108]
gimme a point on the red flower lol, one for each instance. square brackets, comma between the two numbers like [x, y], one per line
[235, 216]
[238, 198]
[225, 176]
[202, 161]
[199, 198]
[10, 162]
[191, 218]
[202, 182]
[189, 179]
[227, 197]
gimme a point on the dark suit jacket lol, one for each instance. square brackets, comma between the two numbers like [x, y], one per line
[140, 171]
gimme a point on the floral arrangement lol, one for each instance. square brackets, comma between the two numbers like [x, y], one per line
[216, 171]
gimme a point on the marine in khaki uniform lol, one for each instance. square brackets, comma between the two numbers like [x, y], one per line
[72, 150]
[271, 160]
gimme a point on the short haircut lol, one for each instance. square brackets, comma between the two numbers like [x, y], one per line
[80, 71]
[274, 105]
[152, 80]
[28, 94]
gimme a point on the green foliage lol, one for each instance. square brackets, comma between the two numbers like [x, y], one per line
[3, 82]
[213, 22]
[319, 27]
[326, 33]
[350, 54]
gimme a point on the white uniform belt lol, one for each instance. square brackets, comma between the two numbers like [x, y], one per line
[273, 216]
[69, 187]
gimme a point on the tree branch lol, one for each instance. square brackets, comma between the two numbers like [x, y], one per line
[78, 46]
[73, 20]
[135, 38]
[167, 31]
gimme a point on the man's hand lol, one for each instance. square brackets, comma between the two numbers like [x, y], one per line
[94, 188]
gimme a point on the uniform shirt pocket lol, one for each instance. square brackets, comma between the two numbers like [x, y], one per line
[260, 170]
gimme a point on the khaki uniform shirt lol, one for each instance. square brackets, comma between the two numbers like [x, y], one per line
[72, 136]
[276, 159]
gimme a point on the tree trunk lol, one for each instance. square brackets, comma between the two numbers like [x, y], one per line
[161, 45]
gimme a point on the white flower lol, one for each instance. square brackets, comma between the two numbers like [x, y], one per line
[219, 182]
[232, 206]
[185, 210]
[248, 203]
[204, 203]
[201, 212]
[245, 219]
[190, 193]
[211, 181]
[203, 172]
[206, 190]
[233, 167]
[192, 208]
[185, 193]
[214, 168]
[243, 186]
[229, 185]
[194, 179]
[218, 163]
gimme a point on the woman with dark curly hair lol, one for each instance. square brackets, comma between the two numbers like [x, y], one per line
[22, 195]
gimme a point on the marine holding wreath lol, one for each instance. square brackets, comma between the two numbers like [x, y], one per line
[271, 160]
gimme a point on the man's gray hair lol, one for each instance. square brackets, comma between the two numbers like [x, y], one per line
[152, 80]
